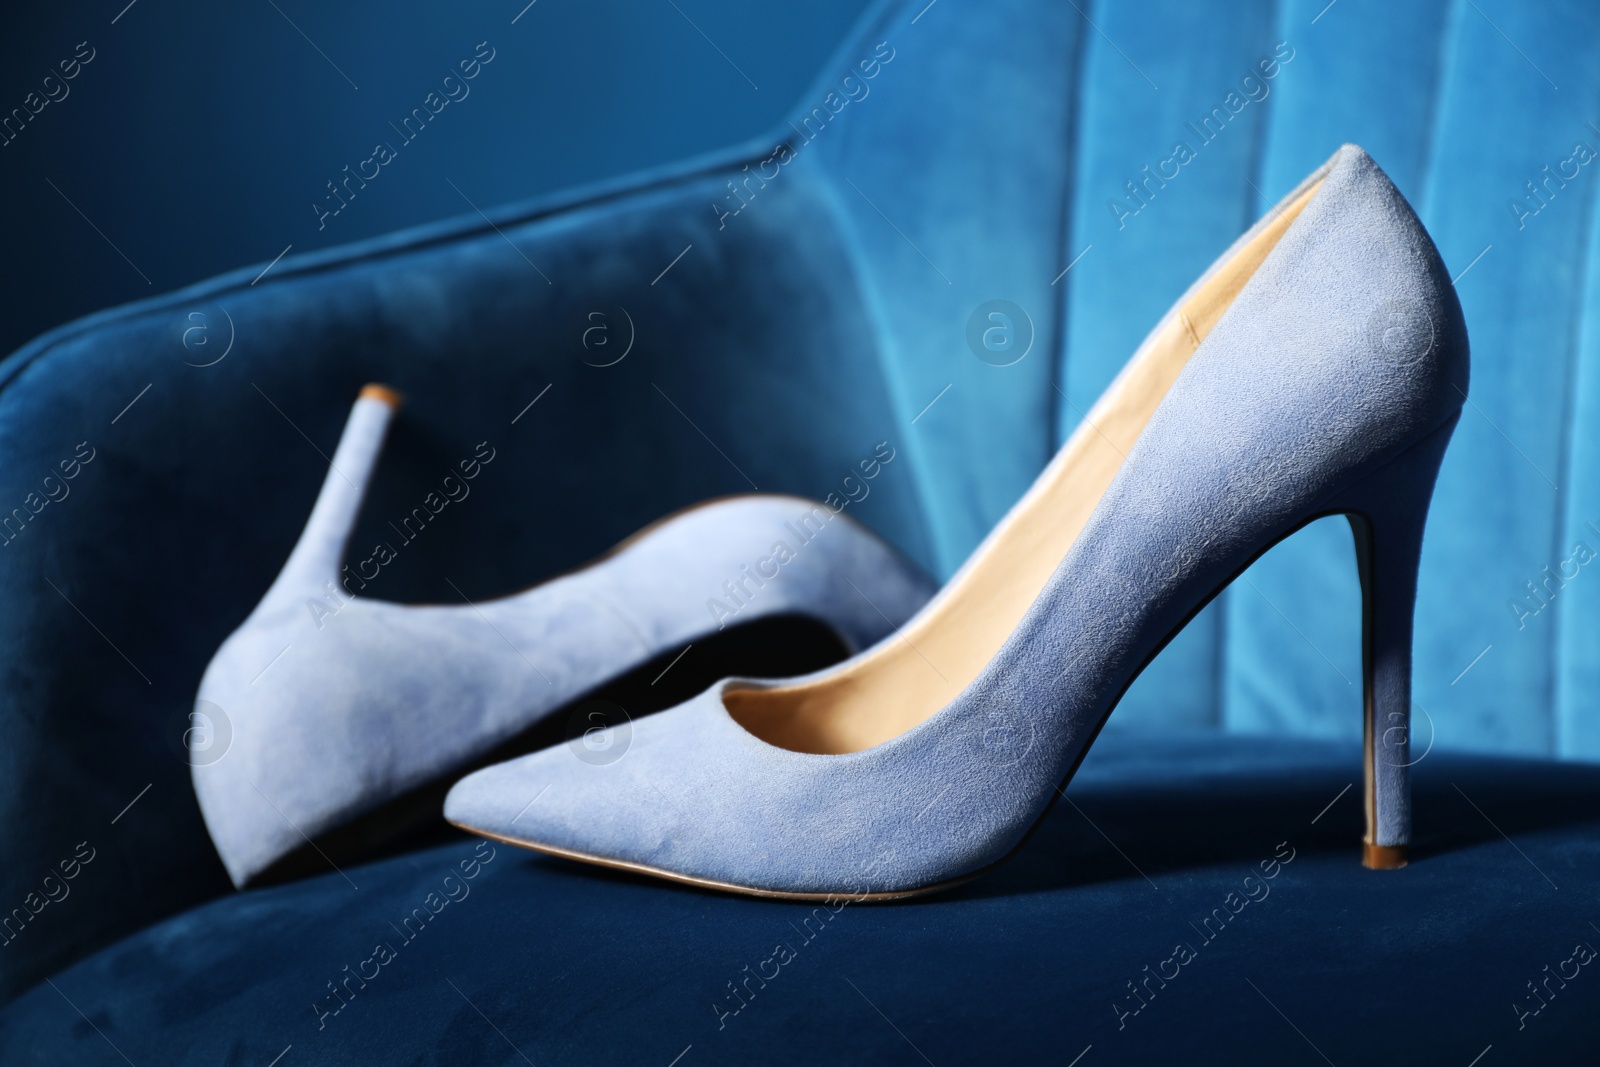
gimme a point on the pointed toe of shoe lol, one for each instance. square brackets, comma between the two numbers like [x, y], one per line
[635, 802]
[691, 797]
[557, 801]
[483, 802]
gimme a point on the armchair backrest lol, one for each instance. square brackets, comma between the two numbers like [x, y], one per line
[1010, 141]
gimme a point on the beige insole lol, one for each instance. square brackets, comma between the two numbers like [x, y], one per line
[907, 678]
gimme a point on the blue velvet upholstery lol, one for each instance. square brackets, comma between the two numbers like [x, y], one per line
[827, 315]
[574, 964]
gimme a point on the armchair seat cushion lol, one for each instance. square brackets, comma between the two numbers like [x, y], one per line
[1227, 864]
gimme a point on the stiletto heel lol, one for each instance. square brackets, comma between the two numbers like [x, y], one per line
[343, 707]
[1387, 516]
[319, 553]
[1314, 370]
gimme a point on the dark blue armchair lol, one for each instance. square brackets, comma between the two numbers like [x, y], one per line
[765, 316]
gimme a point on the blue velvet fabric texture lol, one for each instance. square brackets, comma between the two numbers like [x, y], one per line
[805, 329]
[573, 964]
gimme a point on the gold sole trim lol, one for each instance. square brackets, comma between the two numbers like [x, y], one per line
[708, 883]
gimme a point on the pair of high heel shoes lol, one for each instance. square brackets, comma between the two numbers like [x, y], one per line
[1317, 368]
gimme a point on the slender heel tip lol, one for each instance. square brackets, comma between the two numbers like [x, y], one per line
[1383, 857]
[375, 391]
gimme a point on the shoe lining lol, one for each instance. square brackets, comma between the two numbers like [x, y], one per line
[910, 676]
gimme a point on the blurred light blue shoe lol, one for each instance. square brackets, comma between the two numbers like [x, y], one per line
[339, 704]
[1316, 369]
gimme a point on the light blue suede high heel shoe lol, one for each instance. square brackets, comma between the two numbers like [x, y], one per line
[1317, 368]
[338, 703]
